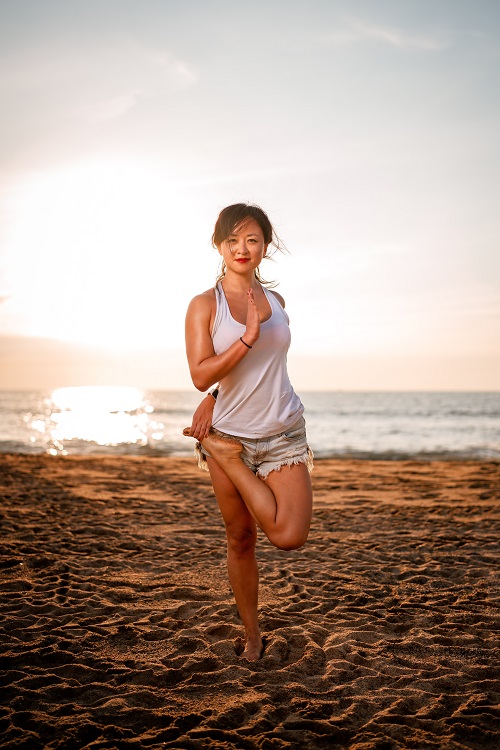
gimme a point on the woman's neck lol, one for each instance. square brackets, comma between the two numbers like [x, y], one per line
[240, 284]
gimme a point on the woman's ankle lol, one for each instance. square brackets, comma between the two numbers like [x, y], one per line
[253, 646]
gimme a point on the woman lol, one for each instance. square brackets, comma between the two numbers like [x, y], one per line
[237, 335]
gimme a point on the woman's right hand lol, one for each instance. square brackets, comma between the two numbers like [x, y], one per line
[252, 332]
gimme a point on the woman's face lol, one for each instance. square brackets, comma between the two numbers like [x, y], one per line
[245, 247]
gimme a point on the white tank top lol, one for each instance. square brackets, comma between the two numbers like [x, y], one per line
[256, 399]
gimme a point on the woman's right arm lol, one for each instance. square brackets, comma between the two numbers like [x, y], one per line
[207, 367]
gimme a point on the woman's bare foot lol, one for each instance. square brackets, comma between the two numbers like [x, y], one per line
[253, 649]
[219, 447]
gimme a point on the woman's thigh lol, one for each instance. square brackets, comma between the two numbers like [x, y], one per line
[237, 519]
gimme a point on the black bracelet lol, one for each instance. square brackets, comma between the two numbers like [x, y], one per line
[214, 393]
[244, 342]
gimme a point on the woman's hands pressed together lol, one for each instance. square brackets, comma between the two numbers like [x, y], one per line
[252, 332]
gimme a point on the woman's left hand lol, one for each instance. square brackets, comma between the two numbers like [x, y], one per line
[202, 418]
[252, 331]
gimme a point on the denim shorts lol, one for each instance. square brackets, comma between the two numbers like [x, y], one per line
[263, 455]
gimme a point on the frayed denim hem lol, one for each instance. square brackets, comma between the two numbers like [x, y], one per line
[200, 457]
[305, 458]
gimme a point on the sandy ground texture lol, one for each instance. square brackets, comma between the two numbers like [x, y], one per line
[119, 630]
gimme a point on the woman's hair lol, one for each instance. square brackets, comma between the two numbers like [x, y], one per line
[232, 217]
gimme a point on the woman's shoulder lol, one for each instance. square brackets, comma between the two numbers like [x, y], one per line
[278, 297]
[209, 295]
[203, 302]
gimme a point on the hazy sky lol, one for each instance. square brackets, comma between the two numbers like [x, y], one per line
[367, 130]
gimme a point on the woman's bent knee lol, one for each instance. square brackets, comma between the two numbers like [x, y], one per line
[289, 541]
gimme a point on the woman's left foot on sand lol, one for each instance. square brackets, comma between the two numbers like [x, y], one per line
[253, 649]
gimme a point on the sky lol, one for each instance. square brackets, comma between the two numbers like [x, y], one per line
[367, 130]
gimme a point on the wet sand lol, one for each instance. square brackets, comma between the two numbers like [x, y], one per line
[119, 630]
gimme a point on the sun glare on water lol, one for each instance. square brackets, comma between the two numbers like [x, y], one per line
[105, 416]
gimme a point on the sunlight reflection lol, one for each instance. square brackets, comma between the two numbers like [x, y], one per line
[103, 415]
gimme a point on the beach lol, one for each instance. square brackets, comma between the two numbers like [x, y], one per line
[119, 630]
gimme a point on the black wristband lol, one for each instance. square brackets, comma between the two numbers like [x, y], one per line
[244, 342]
[214, 393]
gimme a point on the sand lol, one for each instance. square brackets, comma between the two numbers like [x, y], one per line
[119, 628]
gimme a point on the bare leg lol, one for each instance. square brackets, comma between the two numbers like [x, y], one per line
[241, 563]
[281, 506]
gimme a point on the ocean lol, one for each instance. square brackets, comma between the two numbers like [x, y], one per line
[379, 425]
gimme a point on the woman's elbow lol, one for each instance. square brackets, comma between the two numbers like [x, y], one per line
[200, 383]
[201, 379]
[201, 387]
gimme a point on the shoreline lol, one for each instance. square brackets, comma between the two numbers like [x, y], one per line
[118, 624]
[154, 453]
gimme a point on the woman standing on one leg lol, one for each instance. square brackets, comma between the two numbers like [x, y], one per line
[237, 335]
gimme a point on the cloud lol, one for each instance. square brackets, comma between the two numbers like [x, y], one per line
[356, 30]
[132, 77]
[111, 109]
[94, 86]
[155, 73]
